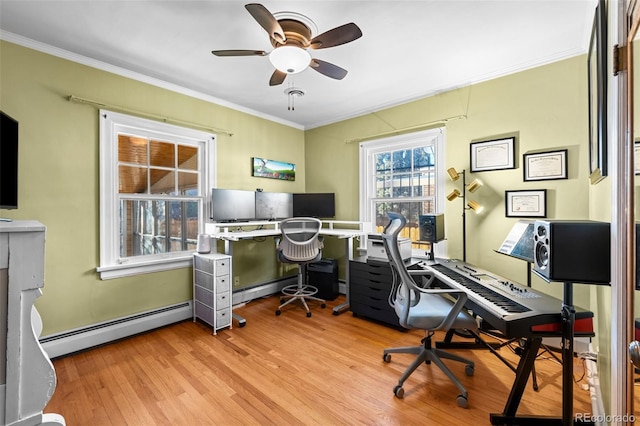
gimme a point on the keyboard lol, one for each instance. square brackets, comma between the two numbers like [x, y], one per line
[509, 307]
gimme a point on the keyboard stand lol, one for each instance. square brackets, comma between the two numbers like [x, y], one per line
[525, 367]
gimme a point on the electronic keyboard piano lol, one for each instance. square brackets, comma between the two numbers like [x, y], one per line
[510, 308]
[517, 311]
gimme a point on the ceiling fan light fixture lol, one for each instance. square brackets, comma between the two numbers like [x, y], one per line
[290, 59]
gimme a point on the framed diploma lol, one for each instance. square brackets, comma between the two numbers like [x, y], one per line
[526, 203]
[545, 165]
[493, 155]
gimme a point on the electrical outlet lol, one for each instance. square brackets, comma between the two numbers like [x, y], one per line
[236, 281]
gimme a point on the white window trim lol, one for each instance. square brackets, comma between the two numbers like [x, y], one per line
[112, 123]
[367, 150]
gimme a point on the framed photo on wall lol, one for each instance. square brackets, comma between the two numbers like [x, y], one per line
[495, 154]
[526, 203]
[597, 85]
[273, 169]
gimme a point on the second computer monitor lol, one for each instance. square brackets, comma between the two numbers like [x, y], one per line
[273, 205]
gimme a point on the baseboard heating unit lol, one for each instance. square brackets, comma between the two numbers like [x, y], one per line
[56, 345]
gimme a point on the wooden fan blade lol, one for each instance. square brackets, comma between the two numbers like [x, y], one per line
[266, 21]
[277, 78]
[337, 36]
[239, 52]
[328, 69]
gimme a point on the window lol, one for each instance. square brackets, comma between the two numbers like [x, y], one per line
[154, 179]
[403, 174]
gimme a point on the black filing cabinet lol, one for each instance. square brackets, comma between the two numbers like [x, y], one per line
[369, 287]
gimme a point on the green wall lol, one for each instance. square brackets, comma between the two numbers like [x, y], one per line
[545, 108]
[59, 180]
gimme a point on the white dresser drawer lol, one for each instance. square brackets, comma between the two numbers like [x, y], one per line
[223, 300]
[223, 266]
[223, 318]
[223, 284]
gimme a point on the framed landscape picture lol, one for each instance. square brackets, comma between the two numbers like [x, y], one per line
[273, 169]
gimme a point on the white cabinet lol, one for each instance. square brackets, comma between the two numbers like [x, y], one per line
[27, 376]
[212, 289]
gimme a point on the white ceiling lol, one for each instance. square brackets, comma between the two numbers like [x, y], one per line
[409, 49]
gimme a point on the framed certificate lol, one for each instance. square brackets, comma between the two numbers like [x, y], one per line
[545, 165]
[526, 203]
[493, 155]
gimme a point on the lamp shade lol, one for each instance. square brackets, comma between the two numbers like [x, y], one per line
[476, 207]
[473, 186]
[453, 195]
[290, 59]
[453, 174]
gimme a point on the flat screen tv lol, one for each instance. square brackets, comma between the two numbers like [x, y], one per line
[232, 205]
[8, 162]
[273, 205]
[319, 205]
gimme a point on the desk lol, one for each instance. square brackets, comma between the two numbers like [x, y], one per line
[331, 228]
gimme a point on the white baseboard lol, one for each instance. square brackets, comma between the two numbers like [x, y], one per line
[241, 296]
[60, 344]
[56, 345]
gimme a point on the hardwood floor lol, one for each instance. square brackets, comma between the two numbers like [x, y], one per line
[287, 370]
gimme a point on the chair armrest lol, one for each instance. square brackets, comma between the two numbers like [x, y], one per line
[422, 273]
[460, 297]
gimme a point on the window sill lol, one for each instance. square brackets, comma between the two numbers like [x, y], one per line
[144, 266]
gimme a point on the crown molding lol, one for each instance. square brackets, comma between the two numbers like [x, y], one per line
[103, 66]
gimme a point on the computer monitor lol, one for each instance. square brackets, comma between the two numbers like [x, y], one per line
[232, 205]
[320, 205]
[273, 205]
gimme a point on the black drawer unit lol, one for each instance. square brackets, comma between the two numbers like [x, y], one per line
[369, 288]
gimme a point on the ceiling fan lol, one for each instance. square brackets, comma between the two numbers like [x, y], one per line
[291, 36]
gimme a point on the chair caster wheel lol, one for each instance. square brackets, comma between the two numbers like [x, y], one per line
[386, 357]
[308, 314]
[469, 369]
[398, 391]
[324, 305]
[278, 312]
[462, 401]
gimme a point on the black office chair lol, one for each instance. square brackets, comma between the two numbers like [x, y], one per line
[421, 307]
[301, 244]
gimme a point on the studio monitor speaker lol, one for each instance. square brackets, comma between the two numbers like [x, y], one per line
[572, 251]
[431, 227]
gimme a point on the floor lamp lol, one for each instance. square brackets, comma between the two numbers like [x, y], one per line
[472, 205]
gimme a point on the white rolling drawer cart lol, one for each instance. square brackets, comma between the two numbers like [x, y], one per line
[212, 289]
